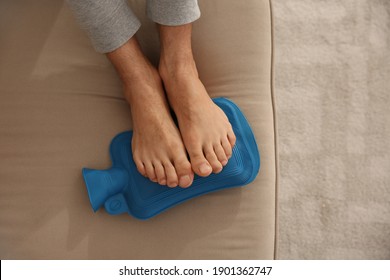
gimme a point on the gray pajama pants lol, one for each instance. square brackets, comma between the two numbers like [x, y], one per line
[111, 23]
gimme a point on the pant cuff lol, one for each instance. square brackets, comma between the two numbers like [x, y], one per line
[173, 12]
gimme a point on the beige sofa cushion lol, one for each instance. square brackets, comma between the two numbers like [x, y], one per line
[61, 104]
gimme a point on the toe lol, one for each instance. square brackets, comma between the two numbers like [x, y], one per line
[140, 168]
[150, 172]
[185, 181]
[227, 147]
[170, 172]
[220, 152]
[232, 138]
[213, 160]
[160, 173]
[200, 165]
[184, 172]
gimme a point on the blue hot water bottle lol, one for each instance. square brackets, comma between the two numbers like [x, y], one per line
[123, 189]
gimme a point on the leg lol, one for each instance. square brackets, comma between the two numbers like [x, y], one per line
[158, 150]
[109, 24]
[205, 129]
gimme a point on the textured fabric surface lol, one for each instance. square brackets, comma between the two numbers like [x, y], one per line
[109, 24]
[172, 12]
[61, 104]
[333, 83]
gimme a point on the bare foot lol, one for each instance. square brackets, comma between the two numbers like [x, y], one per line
[207, 134]
[158, 149]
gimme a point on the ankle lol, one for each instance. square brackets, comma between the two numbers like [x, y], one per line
[177, 68]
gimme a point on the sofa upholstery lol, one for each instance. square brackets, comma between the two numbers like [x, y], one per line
[61, 104]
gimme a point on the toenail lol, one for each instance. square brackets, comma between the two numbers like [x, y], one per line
[218, 170]
[185, 181]
[172, 185]
[205, 168]
[224, 162]
[163, 182]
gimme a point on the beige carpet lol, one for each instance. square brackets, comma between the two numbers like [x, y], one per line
[333, 95]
